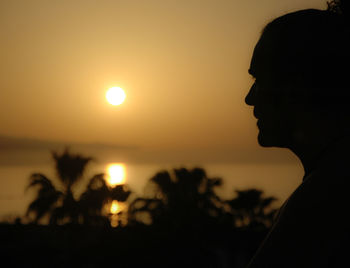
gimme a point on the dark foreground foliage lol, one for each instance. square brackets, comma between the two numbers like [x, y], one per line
[180, 222]
[136, 246]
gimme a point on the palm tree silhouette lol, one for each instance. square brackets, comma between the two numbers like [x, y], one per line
[184, 197]
[47, 196]
[250, 209]
[96, 196]
[61, 206]
[93, 200]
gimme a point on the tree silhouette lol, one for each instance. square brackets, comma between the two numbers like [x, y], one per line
[47, 196]
[61, 206]
[250, 209]
[93, 200]
[182, 198]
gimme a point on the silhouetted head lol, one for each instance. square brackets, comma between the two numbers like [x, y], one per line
[301, 67]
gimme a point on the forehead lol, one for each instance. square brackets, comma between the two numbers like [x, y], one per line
[254, 62]
[260, 65]
[271, 60]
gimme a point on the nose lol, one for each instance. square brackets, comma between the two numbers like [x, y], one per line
[250, 98]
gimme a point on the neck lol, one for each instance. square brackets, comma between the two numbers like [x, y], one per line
[311, 154]
[309, 157]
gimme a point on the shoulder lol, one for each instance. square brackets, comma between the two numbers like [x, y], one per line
[313, 228]
[323, 200]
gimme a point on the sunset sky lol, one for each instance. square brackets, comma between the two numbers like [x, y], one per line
[183, 65]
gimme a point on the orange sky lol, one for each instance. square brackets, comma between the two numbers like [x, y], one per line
[183, 65]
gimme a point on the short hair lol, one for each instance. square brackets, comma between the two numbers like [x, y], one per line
[311, 48]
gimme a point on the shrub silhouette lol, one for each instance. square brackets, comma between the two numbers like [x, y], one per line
[61, 206]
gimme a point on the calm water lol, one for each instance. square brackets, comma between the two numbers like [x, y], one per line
[278, 180]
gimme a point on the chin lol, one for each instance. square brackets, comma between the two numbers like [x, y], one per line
[270, 140]
[264, 142]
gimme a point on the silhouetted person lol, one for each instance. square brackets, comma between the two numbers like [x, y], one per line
[301, 99]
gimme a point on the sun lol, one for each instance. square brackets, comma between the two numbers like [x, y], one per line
[115, 95]
[116, 173]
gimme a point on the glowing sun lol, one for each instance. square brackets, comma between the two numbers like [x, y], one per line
[115, 95]
[116, 174]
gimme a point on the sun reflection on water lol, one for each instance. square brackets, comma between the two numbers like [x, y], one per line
[116, 175]
[115, 207]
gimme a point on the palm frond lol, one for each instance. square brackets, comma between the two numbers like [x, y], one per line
[163, 181]
[120, 193]
[70, 167]
[39, 179]
[93, 199]
[47, 196]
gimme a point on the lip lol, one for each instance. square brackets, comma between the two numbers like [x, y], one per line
[258, 123]
[255, 114]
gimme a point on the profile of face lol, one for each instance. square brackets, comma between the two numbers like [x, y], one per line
[272, 107]
[301, 85]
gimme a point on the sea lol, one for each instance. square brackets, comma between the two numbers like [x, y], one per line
[275, 179]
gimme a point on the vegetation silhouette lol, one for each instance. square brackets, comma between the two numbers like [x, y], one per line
[187, 198]
[60, 205]
[181, 198]
[189, 225]
[251, 210]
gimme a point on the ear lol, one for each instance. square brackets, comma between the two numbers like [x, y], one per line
[292, 94]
